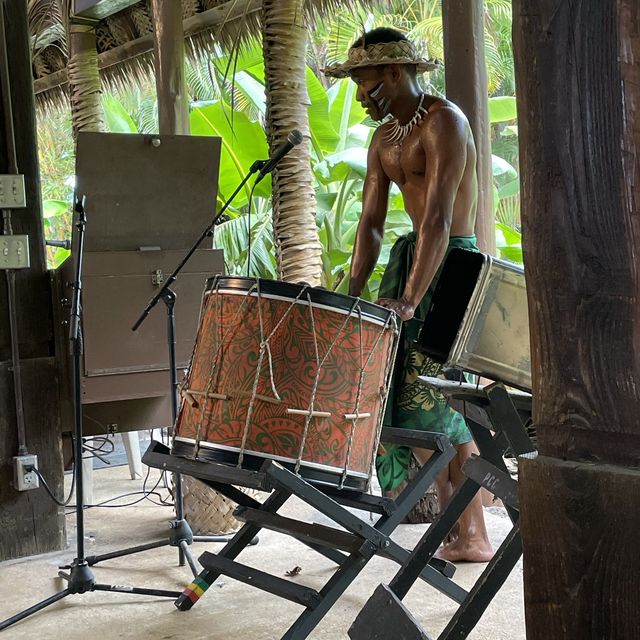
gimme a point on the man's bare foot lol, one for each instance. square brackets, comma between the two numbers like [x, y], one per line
[466, 551]
[453, 535]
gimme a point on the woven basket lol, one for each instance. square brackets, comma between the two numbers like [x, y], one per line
[207, 511]
[427, 508]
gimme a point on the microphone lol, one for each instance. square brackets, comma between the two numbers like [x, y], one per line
[63, 244]
[293, 139]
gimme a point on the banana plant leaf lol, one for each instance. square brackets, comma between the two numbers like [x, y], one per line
[241, 146]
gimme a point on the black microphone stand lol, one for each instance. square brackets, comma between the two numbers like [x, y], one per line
[180, 535]
[80, 578]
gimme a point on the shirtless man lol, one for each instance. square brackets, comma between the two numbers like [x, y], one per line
[427, 149]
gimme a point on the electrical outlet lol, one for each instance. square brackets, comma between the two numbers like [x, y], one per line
[12, 195]
[14, 252]
[24, 480]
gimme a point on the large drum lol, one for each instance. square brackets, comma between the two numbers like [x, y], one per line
[291, 373]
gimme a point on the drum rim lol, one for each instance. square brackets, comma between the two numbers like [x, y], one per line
[336, 471]
[290, 290]
[313, 473]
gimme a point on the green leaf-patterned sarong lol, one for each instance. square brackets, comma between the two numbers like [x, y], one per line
[412, 405]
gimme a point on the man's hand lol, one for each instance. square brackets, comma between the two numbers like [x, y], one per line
[404, 310]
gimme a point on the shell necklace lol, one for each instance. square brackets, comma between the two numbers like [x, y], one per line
[398, 132]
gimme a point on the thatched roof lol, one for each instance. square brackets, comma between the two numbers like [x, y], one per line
[125, 39]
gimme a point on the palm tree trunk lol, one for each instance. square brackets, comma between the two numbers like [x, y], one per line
[298, 248]
[84, 80]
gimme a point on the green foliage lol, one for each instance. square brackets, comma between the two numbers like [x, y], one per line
[233, 238]
[243, 141]
[56, 159]
[509, 243]
[138, 104]
[502, 109]
[324, 136]
[116, 117]
[55, 154]
[55, 214]
[229, 101]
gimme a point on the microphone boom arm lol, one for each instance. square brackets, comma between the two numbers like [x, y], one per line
[255, 167]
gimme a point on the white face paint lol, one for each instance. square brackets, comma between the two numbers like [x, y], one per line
[381, 103]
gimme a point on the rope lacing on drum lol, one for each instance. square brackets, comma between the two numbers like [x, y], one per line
[264, 348]
[363, 367]
[384, 393]
[356, 410]
[183, 385]
[319, 364]
[218, 355]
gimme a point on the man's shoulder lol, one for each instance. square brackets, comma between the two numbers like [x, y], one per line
[378, 135]
[445, 110]
[444, 116]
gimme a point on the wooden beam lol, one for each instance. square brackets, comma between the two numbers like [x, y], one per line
[580, 140]
[192, 26]
[466, 85]
[230, 10]
[171, 86]
[580, 533]
[578, 82]
[99, 9]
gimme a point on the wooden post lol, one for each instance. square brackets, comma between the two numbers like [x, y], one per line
[466, 82]
[578, 82]
[30, 522]
[173, 102]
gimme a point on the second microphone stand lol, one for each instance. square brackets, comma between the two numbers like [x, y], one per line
[80, 578]
[181, 535]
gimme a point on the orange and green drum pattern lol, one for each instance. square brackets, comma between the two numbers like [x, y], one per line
[226, 360]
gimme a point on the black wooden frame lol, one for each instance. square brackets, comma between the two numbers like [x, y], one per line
[350, 548]
[494, 410]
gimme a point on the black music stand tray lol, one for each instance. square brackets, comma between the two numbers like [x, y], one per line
[486, 409]
[350, 548]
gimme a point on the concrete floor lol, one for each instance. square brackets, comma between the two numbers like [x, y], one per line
[230, 609]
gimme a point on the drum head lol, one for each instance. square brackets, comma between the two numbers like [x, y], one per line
[291, 291]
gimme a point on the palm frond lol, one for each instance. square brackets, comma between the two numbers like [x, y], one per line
[233, 238]
[47, 23]
[499, 10]
[429, 33]
[202, 82]
[508, 211]
[494, 62]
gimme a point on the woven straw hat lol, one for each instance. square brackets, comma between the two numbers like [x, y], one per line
[379, 54]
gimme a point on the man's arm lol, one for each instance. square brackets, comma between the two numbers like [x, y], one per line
[368, 242]
[444, 140]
